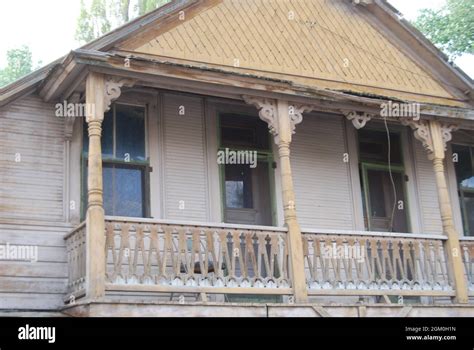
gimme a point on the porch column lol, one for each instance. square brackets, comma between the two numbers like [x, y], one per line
[282, 118]
[434, 137]
[101, 91]
[95, 218]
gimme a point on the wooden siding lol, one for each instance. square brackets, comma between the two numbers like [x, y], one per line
[185, 167]
[32, 189]
[427, 193]
[34, 285]
[321, 178]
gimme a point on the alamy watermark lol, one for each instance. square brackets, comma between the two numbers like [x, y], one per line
[37, 333]
[392, 109]
[228, 156]
[19, 252]
[345, 252]
[74, 110]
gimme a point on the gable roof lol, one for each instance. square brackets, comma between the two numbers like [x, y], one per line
[333, 45]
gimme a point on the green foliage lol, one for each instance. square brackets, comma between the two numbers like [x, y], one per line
[19, 63]
[103, 15]
[451, 28]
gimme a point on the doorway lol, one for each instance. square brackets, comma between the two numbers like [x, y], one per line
[247, 171]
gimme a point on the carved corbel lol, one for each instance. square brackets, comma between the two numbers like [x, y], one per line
[296, 114]
[267, 111]
[422, 132]
[113, 89]
[358, 119]
[69, 120]
[447, 133]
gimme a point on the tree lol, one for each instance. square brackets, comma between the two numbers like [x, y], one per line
[19, 63]
[451, 28]
[103, 15]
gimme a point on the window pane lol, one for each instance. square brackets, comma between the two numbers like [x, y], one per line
[469, 213]
[130, 132]
[373, 147]
[465, 180]
[123, 191]
[238, 186]
[108, 183]
[108, 134]
[244, 131]
[463, 166]
[128, 192]
[376, 193]
[381, 199]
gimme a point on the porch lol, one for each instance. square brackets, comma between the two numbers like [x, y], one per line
[123, 260]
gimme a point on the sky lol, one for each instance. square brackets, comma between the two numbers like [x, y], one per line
[48, 27]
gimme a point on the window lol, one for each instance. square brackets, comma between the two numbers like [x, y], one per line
[240, 131]
[383, 192]
[246, 187]
[125, 165]
[464, 167]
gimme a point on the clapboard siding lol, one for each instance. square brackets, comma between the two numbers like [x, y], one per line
[321, 178]
[34, 285]
[185, 177]
[428, 195]
[32, 189]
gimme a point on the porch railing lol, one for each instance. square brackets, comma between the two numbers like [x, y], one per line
[366, 263]
[76, 258]
[146, 255]
[467, 251]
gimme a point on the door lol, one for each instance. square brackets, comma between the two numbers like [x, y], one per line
[247, 194]
[385, 202]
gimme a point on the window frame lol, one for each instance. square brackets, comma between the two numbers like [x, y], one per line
[461, 191]
[373, 165]
[143, 165]
[262, 156]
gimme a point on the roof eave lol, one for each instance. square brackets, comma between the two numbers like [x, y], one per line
[465, 83]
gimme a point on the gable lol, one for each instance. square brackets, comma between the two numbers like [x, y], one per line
[325, 43]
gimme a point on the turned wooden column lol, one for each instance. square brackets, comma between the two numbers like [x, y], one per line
[282, 118]
[295, 241]
[434, 137]
[452, 246]
[95, 218]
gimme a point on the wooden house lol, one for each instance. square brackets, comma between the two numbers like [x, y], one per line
[250, 157]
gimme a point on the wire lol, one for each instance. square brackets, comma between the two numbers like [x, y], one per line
[369, 52]
[391, 175]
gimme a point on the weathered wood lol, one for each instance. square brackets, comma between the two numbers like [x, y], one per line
[210, 290]
[195, 257]
[381, 265]
[282, 119]
[467, 252]
[95, 217]
[77, 260]
[31, 162]
[453, 248]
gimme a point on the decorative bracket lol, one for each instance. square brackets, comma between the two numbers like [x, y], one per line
[113, 89]
[358, 119]
[268, 113]
[69, 121]
[422, 132]
[296, 114]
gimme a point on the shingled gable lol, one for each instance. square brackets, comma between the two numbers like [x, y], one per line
[325, 45]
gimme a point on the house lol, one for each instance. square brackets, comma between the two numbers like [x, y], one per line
[251, 157]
